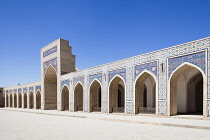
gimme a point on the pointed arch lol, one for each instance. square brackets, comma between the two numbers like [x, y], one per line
[95, 96]
[38, 99]
[117, 96]
[15, 100]
[184, 95]
[19, 100]
[50, 88]
[78, 97]
[24, 100]
[31, 100]
[65, 98]
[145, 92]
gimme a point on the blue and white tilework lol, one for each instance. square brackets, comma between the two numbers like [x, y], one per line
[50, 51]
[31, 89]
[197, 59]
[20, 90]
[15, 91]
[129, 107]
[52, 62]
[78, 79]
[25, 90]
[38, 87]
[95, 76]
[65, 82]
[162, 107]
[121, 72]
[152, 67]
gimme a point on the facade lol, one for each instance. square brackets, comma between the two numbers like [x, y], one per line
[167, 82]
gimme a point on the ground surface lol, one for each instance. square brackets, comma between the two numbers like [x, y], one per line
[30, 126]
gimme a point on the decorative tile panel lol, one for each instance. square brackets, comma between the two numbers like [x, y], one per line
[129, 81]
[25, 90]
[52, 62]
[15, 91]
[95, 76]
[129, 107]
[79, 79]
[50, 51]
[38, 87]
[20, 90]
[162, 107]
[65, 82]
[197, 59]
[208, 108]
[152, 67]
[31, 89]
[121, 72]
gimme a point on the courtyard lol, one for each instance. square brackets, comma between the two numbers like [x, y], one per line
[20, 124]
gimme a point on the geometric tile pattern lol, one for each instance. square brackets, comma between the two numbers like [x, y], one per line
[208, 108]
[38, 87]
[129, 107]
[31, 89]
[162, 107]
[78, 79]
[65, 82]
[208, 67]
[121, 72]
[197, 59]
[50, 51]
[95, 76]
[152, 67]
[25, 90]
[20, 90]
[15, 91]
[129, 84]
[52, 62]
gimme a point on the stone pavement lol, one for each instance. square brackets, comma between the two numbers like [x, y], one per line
[185, 121]
[25, 124]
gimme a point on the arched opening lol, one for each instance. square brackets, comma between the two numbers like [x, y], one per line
[65, 98]
[50, 89]
[31, 100]
[11, 100]
[19, 100]
[186, 91]
[145, 91]
[38, 100]
[25, 100]
[78, 97]
[15, 100]
[7, 100]
[95, 97]
[117, 95]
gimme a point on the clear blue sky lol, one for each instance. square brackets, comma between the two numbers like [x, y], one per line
[100, 31]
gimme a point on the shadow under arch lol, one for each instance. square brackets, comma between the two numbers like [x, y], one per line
[117, 88]
[24, 100]
[95, 96]
[186, 84]
[65, 98]
[145, 90]
[50, 88]
[78, 97]
[38, 99]
[31, 100]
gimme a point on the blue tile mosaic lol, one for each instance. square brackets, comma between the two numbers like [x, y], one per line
[197, 59]
[129, 107]
[95, 76]
[50, 51]
[208, 108]
[121, 72]
[15, 91]
[65, 82]
[31, 89]
[152, 67]
[20, 90]
[52, 62]
[79, 79]
[162, 107]
[38, 87]
[25, 89]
